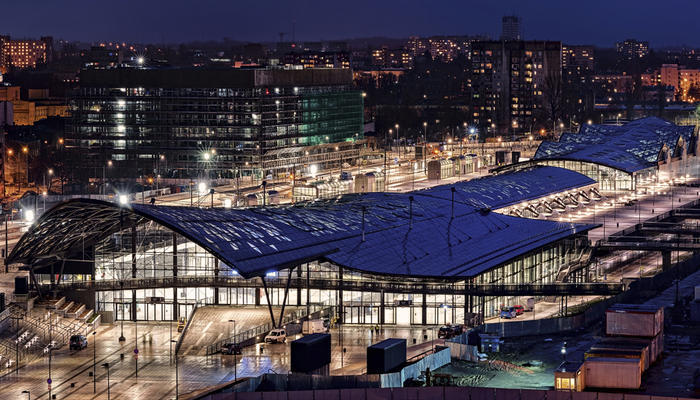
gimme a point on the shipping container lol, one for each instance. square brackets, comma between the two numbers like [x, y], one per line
[386, 355]
[310, 353]
[634, 320]
[613, 373]
[655, 345]
[620, 353]
[643, 345]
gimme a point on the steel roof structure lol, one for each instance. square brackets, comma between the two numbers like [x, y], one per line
[413, 234]
[506, 189]
[631, 147]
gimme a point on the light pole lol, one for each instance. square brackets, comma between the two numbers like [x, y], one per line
[235, 354]
[94, 360]
[50, 349]
[17, 318]
[177, 379]
[106, 365]
[398, 140]
[425, 147]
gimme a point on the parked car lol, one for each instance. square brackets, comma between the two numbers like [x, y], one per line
[450, 331]
[519, 309]
[231, 348]
[508, 312]
[445, 332]
[276, 336]
[78, 342]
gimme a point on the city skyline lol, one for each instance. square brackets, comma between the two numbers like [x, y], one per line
[312, 20]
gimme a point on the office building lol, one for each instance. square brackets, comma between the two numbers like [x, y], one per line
[188, 123]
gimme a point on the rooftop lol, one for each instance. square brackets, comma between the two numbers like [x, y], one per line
[631, 147]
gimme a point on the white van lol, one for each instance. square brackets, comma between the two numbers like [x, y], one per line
[313, 326]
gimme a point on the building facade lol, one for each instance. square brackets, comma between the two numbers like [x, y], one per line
[185, 123]
[24, 53]
[510, 80]
[511, 28]
[632, 49]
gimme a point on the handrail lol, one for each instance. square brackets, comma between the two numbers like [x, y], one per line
[348, 284]
[267, 327]
[189, 321]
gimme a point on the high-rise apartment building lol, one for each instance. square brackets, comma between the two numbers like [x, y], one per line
[444, 48]
[511, 26]
[509, 81]
[185, 123]
[392, 58]
[632, 49]
[24, 53]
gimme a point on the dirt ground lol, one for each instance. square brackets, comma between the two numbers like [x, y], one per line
[529, 363]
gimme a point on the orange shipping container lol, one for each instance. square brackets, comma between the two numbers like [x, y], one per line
[634, 320]
[613, 373]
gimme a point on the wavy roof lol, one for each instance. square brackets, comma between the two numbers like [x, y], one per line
[630, 147]
[419, 234]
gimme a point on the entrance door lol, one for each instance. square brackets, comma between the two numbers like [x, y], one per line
[403, 316]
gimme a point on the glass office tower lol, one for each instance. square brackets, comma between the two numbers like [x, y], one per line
[193, 123]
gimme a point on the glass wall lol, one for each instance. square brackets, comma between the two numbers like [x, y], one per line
[422, 301]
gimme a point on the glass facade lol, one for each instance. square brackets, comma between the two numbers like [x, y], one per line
[150, 251]
[179, 129]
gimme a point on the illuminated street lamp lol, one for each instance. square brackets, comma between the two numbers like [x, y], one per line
[202, 188]
[123, 199]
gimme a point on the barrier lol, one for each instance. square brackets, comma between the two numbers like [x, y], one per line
[430, 393]
[433, 361]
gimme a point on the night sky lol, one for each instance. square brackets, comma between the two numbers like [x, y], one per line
[598, 22]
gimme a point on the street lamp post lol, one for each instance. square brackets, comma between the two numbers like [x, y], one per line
[177, 379]
[106, 365]
[94, 361]
[235, 355]
[50, 349]
[17, 318]
[425, 147]
[398, 141]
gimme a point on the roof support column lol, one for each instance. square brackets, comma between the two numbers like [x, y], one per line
[381, 307]
[299, 286]
[133, 272]
[424, 307]
[286, 291]
[269, 304]
[175, 312]
[341, 314]
[308, 290]
[216, 275]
